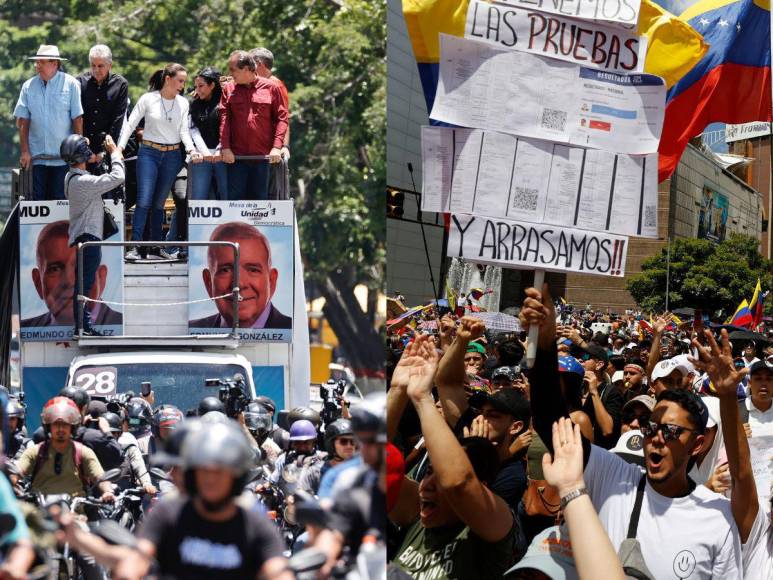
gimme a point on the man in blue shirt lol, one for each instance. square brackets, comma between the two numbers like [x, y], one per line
[48, 110]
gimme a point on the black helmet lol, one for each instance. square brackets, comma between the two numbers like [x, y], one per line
[138, 413]
[304, 413]
[267, 402]
[114, 420]
[336, 429]
[369, 416]
[75, 149]
[14, 409]
[209, 404]
[215, 417]
[257, 419]
[221, 445]
[79, 396]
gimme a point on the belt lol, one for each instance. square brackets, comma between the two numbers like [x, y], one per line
[160, 146]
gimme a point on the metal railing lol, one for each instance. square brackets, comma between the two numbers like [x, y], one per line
[235, 294]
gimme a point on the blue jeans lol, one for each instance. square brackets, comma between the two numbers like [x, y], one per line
[92, 258]
[208, 181]
[48, 182]
[248, 180]
[156, 172]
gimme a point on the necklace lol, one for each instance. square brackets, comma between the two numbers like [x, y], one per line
[168, 113]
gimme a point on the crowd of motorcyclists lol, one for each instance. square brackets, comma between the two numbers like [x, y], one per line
[123, 488]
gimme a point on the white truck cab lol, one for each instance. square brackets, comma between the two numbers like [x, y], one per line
[177, 378]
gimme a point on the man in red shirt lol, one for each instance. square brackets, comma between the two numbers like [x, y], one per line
[264, 63]
[253, 122]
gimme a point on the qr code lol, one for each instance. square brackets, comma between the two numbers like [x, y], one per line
[553, 119]
[650, 216]
[525, 199]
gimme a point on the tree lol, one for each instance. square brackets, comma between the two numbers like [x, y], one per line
[331, 56]
[703, 275]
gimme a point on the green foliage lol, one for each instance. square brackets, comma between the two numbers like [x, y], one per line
[703, 275]
[329, 53]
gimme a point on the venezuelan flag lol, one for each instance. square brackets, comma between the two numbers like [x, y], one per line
[755, 305]
[731, 84]
[673, 46]
[742, 316]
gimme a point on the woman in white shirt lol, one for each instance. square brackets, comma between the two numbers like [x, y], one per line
[165, 141]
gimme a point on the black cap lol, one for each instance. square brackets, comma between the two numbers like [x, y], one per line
[760, 365]
[510, 401]
[509, 373]
[596, 351]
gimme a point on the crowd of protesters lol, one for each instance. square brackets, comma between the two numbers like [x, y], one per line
[623, 451]
[227, 135]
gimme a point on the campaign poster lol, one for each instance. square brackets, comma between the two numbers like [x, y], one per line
[712, 219]
[264, 232]
[47, 275]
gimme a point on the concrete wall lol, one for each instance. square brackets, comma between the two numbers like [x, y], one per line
[758, 175]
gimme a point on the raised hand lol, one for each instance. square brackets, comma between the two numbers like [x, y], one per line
[661, 323]
[538, 308]
[402, 372]
[478, 428]
[422, 367]
[718, 363]
[564, 472]
[470, 328]
[446, 330]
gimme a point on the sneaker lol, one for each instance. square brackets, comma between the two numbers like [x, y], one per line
[182, 255]
[132, 254]
[90, 332]
[169, 253]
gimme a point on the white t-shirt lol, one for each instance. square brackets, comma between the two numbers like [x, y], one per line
[758, 549]
[700, 474]
[690, 537]
[761, 422]
[166, 121]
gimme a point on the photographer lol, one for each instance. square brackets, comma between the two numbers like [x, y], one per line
[334, 406]
[87, 211]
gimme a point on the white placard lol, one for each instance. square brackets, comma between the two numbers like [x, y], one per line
[499, 175]
[535, 246]
[746, 131]
[533, 96]
[761, 451]
[623, 13]
[556, 36]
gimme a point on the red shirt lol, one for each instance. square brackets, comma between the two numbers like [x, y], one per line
[283, 90]
[254, 118]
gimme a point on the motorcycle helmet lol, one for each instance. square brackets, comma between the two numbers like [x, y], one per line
[15, 409]
[302, 430]
[138, 414]
[74, 149]
[80, 396]
[307, 413]
[266, 402]
[258, 420]
[60, 409]
[209, 404]
[215, 417]
[115, 422]
[336, 429]
[369, 416]
[169, 455]
[166, 416]
[222, 445]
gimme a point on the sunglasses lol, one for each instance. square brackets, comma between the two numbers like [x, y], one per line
[670, 432]
[346, 441]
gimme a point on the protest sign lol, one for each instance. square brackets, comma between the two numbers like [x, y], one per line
[545, 98]
[264, 232]
[622, 13]
[556, 36]
[47, 275]
[537, 246]
[746, 131]
[498, 175]
[761, 451]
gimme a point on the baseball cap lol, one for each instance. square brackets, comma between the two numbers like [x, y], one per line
[645, 400]
[550, 552]
[509, 401]
[476, 347]
[712, 411]
[683, 361]
[665, 368]
[97, 409]
[510, 373]
[596, 351]
[630, 447]
[760, 365]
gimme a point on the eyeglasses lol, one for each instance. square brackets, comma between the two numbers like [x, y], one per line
[58, 464]
[345, 440]
[670, 432]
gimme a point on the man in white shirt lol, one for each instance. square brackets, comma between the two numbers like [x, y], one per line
[759, 403]
[685, 530]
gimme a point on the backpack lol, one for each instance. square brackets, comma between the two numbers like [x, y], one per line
[42, 457]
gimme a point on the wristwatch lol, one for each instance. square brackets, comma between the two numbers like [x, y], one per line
[572, 495]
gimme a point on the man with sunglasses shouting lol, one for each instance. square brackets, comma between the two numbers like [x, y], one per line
[683, 529]
[60, 465]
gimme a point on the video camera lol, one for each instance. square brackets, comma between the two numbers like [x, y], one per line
[332, 394]
[231, 393]
[116, 403]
